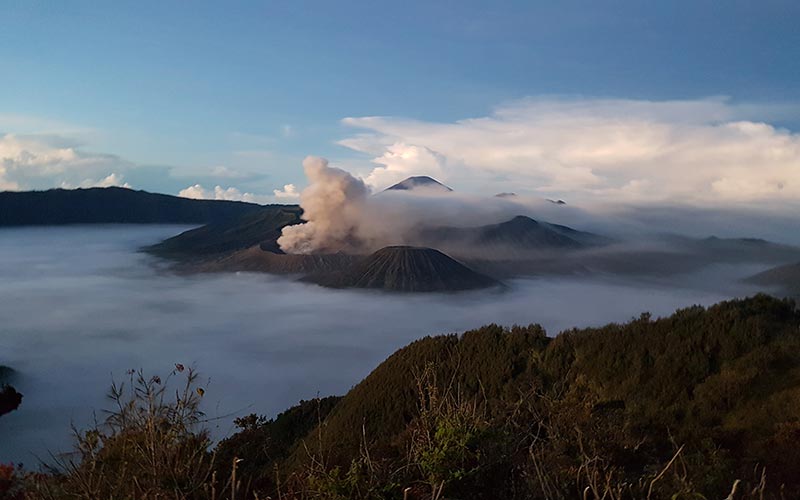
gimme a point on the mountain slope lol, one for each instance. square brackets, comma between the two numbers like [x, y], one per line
[406, 269]
[262, 227]
[723, 381]
[785, 277]
[421, 183]
[519, 237]
[524, 232]
[256, 259]
[112, 205]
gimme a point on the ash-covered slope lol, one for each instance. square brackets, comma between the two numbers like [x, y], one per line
[256, 259]
[258, 228]
[421, 183]
[406, 269]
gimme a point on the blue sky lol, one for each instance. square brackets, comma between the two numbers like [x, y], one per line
[170, 94]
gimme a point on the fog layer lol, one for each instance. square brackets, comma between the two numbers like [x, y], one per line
[79, 304]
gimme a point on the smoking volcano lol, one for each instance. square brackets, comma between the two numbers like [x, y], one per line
[406, 269]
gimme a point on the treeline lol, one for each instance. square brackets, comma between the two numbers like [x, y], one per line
[702, 404]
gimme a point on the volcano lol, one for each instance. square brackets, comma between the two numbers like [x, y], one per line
[420, 183]
[516, 238]
[260, 260]
[524, 232]
[406, 269]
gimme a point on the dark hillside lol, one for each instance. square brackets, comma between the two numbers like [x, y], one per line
[261, 227]
[704, 403]
[112, 205]
[722, 382]
[517, 238]
[785, 278]
[256, 259]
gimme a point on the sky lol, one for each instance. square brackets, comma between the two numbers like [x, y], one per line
[679, 103]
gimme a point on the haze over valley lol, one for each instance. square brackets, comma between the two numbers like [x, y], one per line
[84, 304]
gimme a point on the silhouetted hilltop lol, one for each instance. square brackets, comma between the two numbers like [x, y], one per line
[112, 205]
[406, 269]
[260, 227]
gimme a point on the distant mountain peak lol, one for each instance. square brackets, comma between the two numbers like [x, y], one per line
[419, 182]
[520, 221]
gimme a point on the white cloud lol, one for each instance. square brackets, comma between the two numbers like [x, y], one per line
[224, 172]
[289, 192]
[701, 152]
[198, 192]
[40, 162]
[111, 180]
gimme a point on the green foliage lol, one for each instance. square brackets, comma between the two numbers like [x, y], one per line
[603, 408]
[150, 446]
[701, 404]
[266, 442]
[447, 433]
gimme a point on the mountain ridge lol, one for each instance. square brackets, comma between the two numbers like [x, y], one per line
[112, 205]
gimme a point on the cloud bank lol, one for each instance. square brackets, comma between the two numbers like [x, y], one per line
[343, 215]
[35, 162]
[292, 341]
[706, 152]
[198, 192]
[289, 193]
[46, 161]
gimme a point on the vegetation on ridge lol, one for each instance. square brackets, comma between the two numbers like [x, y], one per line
[701, 404]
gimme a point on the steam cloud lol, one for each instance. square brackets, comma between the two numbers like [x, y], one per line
[343, 216]
[333, 205]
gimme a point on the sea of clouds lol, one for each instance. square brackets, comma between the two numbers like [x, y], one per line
[80, 306]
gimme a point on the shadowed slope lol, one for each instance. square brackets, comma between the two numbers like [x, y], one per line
[406, 269]
[259, 228]
[785, 277]
[722, 380]
[256, 259]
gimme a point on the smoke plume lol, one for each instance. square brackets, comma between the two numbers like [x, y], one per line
[333, 205]
[342, 215]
